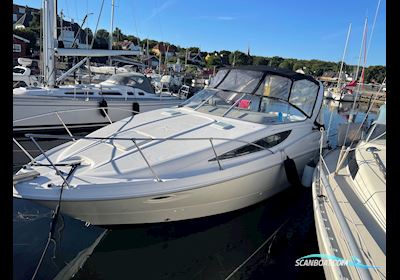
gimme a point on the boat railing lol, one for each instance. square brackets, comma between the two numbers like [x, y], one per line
[58, 113]
[349, 238]
[211, 140]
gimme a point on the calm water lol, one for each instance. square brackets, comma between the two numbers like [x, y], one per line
[206, 248]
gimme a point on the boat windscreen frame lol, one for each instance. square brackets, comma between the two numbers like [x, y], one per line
[276, 73]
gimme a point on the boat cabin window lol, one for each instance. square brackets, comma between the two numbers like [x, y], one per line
[277, 87]
[214, 81]
[77, 93]
[262, 144]
[113, 93]
[304, 95]
[241, 81]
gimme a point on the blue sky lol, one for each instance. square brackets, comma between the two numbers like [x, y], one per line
[309, 29]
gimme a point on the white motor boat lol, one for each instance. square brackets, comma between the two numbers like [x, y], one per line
[34, 108]
[349, 197]
[222, 150]
[22, 74]
[343, 96]
[328, 93]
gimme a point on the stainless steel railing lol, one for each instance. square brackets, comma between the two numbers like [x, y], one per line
[70, 137]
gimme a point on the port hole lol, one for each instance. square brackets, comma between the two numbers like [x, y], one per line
[160, 197]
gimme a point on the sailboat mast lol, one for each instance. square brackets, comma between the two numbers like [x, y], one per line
[49, 39]
[362, 44]
[111, 29]
[344, 54]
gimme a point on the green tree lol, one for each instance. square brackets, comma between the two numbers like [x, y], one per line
[118, 35]
[275, 61]
[102, 33]
[286, 64]
[193, 50]
[239, 58]
[101, 39]
[89, 32]
[375, 74]
[213, 59]
[298, 65]
[260, 60]
[224, 54]
[34, 25]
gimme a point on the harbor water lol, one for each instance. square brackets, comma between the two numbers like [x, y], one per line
[252, 243]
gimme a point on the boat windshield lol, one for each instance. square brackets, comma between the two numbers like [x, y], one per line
[256, 97]
[125, 80]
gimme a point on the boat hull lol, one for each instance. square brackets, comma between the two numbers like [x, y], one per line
[199, 202]
[343, 97]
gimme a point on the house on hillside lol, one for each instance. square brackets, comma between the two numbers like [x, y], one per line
[19, 11]
[152, 62]
[20, 47]
[66, 32]
[127, 46]
[164, 49]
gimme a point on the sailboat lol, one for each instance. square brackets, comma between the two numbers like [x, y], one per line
[349, 198]
[223, 149]
[38, 107]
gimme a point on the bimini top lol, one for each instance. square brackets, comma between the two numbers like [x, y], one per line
[277, 71]
[260, 89]
[256, 73]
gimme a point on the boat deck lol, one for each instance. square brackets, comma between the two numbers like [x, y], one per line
[368, 234]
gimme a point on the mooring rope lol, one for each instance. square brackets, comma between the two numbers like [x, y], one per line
[53, 223]
[256, 251]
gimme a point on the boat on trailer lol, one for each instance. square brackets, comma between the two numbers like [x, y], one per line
[349, 198]
[221, 150]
